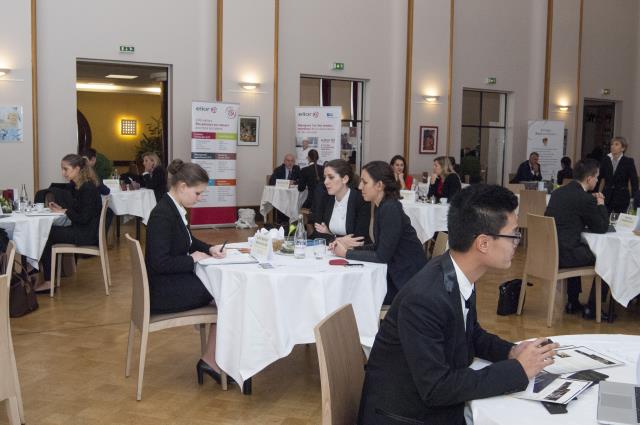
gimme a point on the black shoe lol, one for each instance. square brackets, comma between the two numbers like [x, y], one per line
[589, 313]
[203, 367]
[573, 307]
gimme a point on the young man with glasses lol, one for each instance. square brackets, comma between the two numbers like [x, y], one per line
[576, 210]
[418, 371]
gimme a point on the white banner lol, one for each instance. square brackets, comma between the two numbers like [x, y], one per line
[546, 138]
[318, 127]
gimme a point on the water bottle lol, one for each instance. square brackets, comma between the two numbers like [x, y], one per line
[24, 198]
[300, 239]
[631, 210]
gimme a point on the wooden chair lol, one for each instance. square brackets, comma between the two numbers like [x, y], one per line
[512, 176]
[341, 362]
[145, 322]
[9, 383]
[440, 245]
[542, 264]
[515, 187]
[531, 201]
[98, 251]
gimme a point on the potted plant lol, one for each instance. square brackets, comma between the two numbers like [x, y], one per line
[151, 143]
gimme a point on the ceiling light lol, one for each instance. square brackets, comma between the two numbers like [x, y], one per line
[249, 86]
[95, 86]
[122, 77]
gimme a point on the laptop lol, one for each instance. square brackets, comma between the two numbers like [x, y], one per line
[618, 403]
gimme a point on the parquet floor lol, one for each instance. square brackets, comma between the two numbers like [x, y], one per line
[71, 355]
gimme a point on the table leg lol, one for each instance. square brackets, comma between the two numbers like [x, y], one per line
[138, 219]
[246, 387]
[118, 227]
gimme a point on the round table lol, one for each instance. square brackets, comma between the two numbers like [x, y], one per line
[30, 232]
[582, 411]
[288, 201]
[426, 218]
[138, 203]
[263, 313]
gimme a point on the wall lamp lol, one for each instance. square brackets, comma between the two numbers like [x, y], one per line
[128, 127]
[4, 71]
[249, 86]
[564, 108]
[431, 99]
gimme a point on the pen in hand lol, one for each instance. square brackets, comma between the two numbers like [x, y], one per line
[222, 247]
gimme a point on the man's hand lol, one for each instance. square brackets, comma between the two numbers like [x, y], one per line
[533, 356]
[599, 198]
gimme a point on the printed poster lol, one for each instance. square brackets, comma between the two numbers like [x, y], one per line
[318, 127]
[11, 125]
[547, 138]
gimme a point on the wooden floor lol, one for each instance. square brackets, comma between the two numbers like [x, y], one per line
[71, 354]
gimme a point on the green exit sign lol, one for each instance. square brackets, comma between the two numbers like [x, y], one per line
[491, 80]
[127, 49]
[337, 66]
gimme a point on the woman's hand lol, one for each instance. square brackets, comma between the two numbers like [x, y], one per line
[400, 177]
[432, 178]
[56, 208]
[198, 255]
[321, 228]
[217, 252]
[350, 241]
[337, 248]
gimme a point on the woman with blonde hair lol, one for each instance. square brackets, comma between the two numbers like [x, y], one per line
[154, 176]
[444, 182]
[618, 172]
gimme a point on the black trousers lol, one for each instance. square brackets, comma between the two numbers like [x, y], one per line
[58, 234]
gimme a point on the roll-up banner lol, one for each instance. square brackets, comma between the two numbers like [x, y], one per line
[318, 127]
[546, 138]
[214, 135]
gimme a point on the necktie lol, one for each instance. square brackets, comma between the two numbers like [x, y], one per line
[471, 305]
[286, 174]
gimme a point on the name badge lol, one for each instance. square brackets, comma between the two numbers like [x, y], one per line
[282, 183]
[626, 221]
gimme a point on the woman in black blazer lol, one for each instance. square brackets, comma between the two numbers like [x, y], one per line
[82, 209]
[310, 176]
[395, 240]
[566, 172]
[342, 211]
[617, 180]
[444, 182]
[154, 176]
[172, 251]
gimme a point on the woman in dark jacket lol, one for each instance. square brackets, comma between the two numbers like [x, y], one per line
[566, 172]
[154, 176]
[395, 240]
[342, 211]
[82, 209]
[310, 176]
[172, 251]
[618, 179]
[444, 181]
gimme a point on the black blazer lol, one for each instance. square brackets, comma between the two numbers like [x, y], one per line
[575, 211]
[418, 371]
[280, 173]
[565, 174]
[173, 284]
[616, 185]
[156, 181]
[524, 174]
[396, 244]
[310, 176]
[357, 220]
[84, 213]
[450, 187]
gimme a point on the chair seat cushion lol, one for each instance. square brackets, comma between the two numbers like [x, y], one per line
[209, 309]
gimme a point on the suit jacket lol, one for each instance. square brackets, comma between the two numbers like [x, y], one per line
[396, 244]
[524, 174]
[358, 215]
[84, 213]
[575, 211]
[616, 185]
[310, 176]
[450, 187]
[418, 371]
[564, 174]
[156, 181]
[280, 173]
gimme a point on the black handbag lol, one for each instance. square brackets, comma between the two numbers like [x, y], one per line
[508, 297]
[22, 297]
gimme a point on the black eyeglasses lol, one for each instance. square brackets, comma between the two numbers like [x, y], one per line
[516, 237]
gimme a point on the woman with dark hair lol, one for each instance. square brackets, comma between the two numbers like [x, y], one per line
[394, 239]
[619, 175]
[342, 211]
[400, 172]
[444, 181]
[172, 251]
[154, 176]
[566, 172]
[82, 209]
[309, 177]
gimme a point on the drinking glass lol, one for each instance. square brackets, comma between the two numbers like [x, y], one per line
[613, 218]
[319, 248]
[300, 248]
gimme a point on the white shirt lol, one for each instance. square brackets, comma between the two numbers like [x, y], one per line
[466, 289]
[614, 161]
[338, 222]
[183, 214]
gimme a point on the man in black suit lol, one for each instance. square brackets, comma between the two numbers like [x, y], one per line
[418, 371]
[529, 170]
[574, 210]
[619, 175]
[288, 170]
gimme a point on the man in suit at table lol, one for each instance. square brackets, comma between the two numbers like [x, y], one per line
[529, 170]
[288, 170]
[576, 210]
[418, 371]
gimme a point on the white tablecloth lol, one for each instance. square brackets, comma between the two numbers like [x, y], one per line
[617, 262]
[287, 201]
[426, 218]
[263, 313]
[583, 410]
[29, 232]
[133, 202]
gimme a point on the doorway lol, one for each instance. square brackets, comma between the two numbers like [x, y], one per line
[123, 112]
[598, 124]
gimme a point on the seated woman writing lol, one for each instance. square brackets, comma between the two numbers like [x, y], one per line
[444, 182]
[342, 211]
[394, 239]
[82, 208]
[172, 251]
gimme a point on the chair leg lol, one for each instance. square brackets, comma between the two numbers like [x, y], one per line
[203, 338]
[223, 380]
[108, 270]
[143, 355]
[552, 300]
[132, 332]
[598, 290]
[105, 273]
[16, 382]
[56, 265]
[12, 411]
[523, 288]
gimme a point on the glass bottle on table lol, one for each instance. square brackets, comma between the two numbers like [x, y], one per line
[24, 198]
[300, 239]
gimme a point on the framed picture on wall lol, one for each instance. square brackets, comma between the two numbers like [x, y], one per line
[248, 131]
[428, 139]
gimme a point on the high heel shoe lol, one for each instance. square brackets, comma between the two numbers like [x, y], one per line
[202, 367]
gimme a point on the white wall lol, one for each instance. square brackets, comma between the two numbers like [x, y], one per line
[15, 90]
[181, 34]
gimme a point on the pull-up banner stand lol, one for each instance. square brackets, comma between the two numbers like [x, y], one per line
[318, 127]
[546, 138]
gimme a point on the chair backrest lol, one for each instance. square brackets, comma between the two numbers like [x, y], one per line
[102, 230]
[140, 302]
[9, 255]
[7, 385]
[341, 362]
[542, 247]
[515, 187]
[441, 244]
[531, 201]
[512, 176]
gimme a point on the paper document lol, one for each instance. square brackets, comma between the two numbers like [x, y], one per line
[574, 359]
[551, 388]
[233, 257]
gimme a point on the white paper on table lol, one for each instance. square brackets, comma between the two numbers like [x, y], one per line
[233, 257]
[262, 248]
[552, 389]
[574, 359]
[283, 183]
[626, 221]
